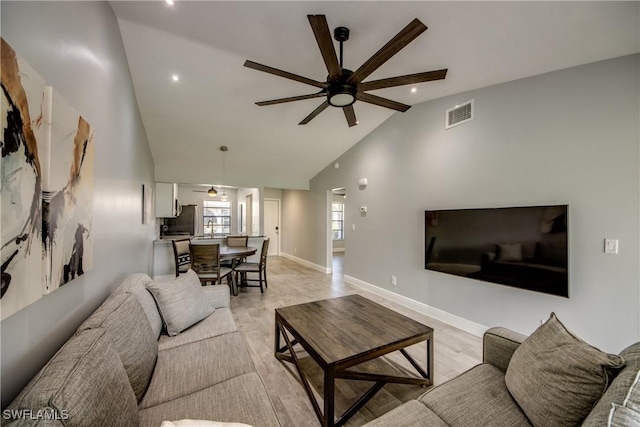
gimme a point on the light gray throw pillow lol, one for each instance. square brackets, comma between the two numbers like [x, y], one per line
[181, 302]
[621, 416]
[556, 378]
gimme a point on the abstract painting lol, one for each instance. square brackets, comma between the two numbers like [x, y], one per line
[67, 194]
[46, 173]
[23, 127]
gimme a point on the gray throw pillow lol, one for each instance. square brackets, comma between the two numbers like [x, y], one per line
[621, 416]
[556, 378]
[181, 302]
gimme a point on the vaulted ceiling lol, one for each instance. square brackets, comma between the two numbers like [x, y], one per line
[213, 103]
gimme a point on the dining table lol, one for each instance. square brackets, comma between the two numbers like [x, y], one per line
[234, 254]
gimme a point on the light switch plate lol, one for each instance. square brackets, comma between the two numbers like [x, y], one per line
[610, 246]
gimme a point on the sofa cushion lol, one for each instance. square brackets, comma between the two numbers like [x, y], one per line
[557, 378]
[621, 416]
[85, 383]
[136, 284]
[219, 323]
[632, 399]
[181, 302]
[131, 336]
[241, 399]
[193, 367]
[477, 397]
[409, 414]
[619, 388]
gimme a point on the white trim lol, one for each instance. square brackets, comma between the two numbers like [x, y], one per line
[317, 267]
[338, 250]
[441, 315]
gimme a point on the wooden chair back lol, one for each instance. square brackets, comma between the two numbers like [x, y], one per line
[205, 258]
[235, 241]
[181, 255]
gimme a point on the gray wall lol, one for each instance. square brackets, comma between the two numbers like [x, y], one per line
[303, 220]
[77, 48]
[567, 137]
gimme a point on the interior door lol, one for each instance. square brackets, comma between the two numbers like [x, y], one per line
[272, 225]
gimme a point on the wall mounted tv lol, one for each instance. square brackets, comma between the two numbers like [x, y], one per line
[523, 247]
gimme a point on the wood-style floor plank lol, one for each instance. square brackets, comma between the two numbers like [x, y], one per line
[291, 283]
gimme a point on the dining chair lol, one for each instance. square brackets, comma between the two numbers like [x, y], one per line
[260, 268]
[205, 261]
[235, 241]
[181, 255]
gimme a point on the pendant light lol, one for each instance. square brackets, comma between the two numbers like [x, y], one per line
[223, 196]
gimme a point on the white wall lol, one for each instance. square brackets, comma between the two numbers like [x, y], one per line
[77, 48]
[567, 137]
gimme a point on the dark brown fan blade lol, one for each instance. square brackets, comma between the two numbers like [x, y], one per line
[285, 74]
[291, 99]
[314, 113]
[403, 38]
[404, 80]
[382, 102]
[350, 115]
[325, 43]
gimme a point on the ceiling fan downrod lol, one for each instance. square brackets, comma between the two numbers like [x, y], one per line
[341, 34]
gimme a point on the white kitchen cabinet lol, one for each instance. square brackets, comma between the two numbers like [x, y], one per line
[167, 205]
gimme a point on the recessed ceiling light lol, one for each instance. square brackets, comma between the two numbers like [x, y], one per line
[414, 89]
[169, 2]
[175, 77]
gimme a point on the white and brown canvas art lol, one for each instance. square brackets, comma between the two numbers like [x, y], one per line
[67, 194]
[46, 179]
[23, 93]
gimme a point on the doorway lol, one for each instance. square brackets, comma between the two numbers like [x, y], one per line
[249, 214]
[337, 231]
[272, 225]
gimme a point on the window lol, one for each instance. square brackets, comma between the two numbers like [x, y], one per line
[337, 221]
[217, 218]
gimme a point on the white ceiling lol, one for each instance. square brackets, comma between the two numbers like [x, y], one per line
[206, 44]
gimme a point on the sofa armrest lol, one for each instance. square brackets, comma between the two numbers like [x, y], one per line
[218, 296]
[499, 345]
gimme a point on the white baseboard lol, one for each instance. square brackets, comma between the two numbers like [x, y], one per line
[441, 315]
[317, 267]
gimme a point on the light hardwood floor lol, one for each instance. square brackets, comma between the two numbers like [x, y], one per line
[291, 283]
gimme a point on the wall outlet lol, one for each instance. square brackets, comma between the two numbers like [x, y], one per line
[394, 282]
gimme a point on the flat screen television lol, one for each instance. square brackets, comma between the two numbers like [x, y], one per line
[524, 247]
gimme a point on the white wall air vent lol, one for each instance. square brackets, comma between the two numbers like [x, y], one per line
[459, 114]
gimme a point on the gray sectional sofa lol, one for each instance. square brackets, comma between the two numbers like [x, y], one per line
[119, 370]
[553, 382]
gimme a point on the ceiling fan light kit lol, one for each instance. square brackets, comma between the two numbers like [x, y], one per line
[344, 87]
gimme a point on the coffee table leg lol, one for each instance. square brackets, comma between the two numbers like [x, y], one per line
[329, 396]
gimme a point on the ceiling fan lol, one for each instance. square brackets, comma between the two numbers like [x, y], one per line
[343, 87]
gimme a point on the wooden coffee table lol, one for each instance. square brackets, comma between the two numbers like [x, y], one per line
[340, 333]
